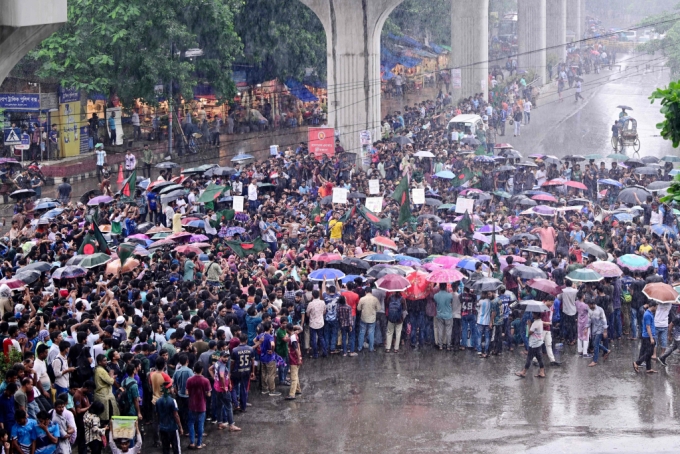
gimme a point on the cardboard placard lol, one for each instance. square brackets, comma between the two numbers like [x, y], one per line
[418, 196]
[374, 204]
[238, 201]
[340, 195]
[374, 186]
[463, 205]
[273, 150]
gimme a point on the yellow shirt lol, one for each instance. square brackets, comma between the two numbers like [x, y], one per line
[336, 229]
[645, 248]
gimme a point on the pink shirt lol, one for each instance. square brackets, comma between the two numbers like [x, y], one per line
[547, 236]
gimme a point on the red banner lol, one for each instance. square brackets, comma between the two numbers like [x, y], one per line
[322, 142]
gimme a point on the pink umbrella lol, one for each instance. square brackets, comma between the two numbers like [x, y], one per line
[555, 182]
[186, 248]
[392, 283]
[445, 276]
[139, 236]
[470, 191]
[606, 269]
[544, 198]
[515, 258]
[432, 266]
[179, 236]
[446, 261]
[198, 238]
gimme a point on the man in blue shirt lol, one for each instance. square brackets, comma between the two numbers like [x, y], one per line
[168, 420]
[444, 320]
[112, 127]
[648, 334]
[268, 360]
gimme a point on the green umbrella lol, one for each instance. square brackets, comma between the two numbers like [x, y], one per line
[161, 235]
[503, 194]
[618, 157]
[593, 156]
[446, 206]
[584, 275]
[211, 193]
[89, 260]
[671, 158]
[200, 169]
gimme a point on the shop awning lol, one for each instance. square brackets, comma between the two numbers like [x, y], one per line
[409, 62]
[300, 91]
[204, 91]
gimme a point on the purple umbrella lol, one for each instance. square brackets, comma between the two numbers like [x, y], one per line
[100, 199]
[69, 272]
[411, 263]
[489, 229]
[198, 238]
[448, 226]
[483, 258]
[544, 210]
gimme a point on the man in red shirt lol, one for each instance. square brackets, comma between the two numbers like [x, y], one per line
[198, 389]
[294, 360]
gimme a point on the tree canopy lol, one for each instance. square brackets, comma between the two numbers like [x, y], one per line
[124, 47]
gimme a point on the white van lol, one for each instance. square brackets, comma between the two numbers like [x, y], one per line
[465, 123]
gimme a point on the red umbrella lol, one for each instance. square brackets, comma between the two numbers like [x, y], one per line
[185, 221]
[576, 184]
[661, 293]
[555, 182]
[445, 276]
[544, 198]
[419, 286]
[392, 283]
[186, 248]
[606, 269]
[546, 286]
[384, 242]
[13, 283]
[326, 257]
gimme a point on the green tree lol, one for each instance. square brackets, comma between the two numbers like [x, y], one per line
[124, 47]
[281, 38]
[422, 19]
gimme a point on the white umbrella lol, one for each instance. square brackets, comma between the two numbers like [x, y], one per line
[424, 154]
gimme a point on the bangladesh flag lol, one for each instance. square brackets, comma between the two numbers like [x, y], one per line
[315, 212]
[125, 251]
[349, 214]
[494, 249]
[466, 225]
[402, 197]
[127, 191]
[463, 177]
[94, 241]
[244, 248]
[377, 222]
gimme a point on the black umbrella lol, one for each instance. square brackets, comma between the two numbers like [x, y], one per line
[527, 272]
[574, 158]
[480, 196]
[658, 185]
[349, 265]
[527, 164]
[471, 141]
[424, 217]
[22, 194]
[650, 160]
[653, 278]
[328, 200]
[402, 140]
[89, 194]
[535, 250]
[145, 226]
[646, 171]
[527, 202]
[634, 162]
[510, 153]
[379, 271]
[593, 249]
[356, 195]
[162, 185]
[507, 168]
[486, 284]
[166, 165]
[628, 194]
[432, 202]
[27, 276]
[521, 236]
[414, 252]
[37, 266]
[220, 171]
[624, 107]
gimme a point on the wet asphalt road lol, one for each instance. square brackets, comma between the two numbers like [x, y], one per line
[431, 401]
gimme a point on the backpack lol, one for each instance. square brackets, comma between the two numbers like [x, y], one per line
[50, 369]
[123, 400]
[394, 311]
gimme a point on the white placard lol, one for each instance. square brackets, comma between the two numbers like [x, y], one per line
[418, 196]
[374, 204]
[374, 186]
[238, 203]
[339, 195]
[463, 205]
[273, 150]
[365, 137]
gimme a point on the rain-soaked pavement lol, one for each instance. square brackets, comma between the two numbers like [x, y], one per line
[431, 401]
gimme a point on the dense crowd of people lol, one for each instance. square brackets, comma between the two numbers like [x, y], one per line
[173, 299]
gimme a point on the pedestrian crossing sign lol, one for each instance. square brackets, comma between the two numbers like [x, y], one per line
[12, 136]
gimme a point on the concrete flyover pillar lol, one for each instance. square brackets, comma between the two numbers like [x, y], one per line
[556, 11]
[23, 25]
[574, 20]
[353, 30]
[470, 46]
[531, 24]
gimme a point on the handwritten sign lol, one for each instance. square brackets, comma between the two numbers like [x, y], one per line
[339, 195]
[418, 196]
[374, 186]
[238, 203]
[463, 205]
[374, 204]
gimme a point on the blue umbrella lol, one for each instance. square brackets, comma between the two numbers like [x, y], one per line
[52, 213]
[467, 264]
[330, 273]
[609, 182]
[242, 157]
[623, 217]
[445, 174]
[350, 278]
[660, 229]
[401, 257]
[382, 258]
[144, 183]
[536, 192]
[484, 159]
[46, 205]
[674, 172]
[196, 224]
